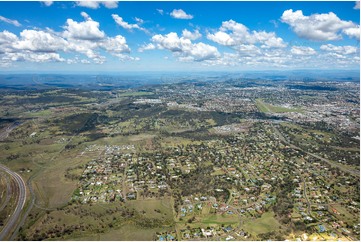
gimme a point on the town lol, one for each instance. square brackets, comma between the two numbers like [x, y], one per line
[238, 159]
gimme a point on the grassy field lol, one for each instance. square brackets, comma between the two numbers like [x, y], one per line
[43, 113]
[149, 207]
[134, 94]
[266, 223]
[128, 232]
[220, 219]
[268, 108]
[175, 141]
[345, 215]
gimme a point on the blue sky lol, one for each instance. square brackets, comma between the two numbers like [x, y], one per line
[178, 36]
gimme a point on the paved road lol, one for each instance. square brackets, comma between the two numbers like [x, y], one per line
[11, 223]
[8, 192]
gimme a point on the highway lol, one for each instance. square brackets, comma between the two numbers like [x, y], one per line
[12, 222]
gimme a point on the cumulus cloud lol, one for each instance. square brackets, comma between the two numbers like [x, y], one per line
[180, 14]
[88, 30]
[96, 4]
[191, 35]
[119, 20]
[302, 50]
[248, 50]
[344, 50]
[221, 38]
[47, 45]
[6, 41]
[47, 3]
[353, 32]
[110, 4]
[149, 46]
[233, 34]
[183, 48]
[318, 27]
[32, 57]
[10, 21]
[117, 44]
[39, 41]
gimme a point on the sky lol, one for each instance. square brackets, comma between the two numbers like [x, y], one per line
[111, 36]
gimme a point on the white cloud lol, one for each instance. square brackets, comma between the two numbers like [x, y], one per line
[88, 30]
[139, 20]
[160, 11]
[47, 3]
[123, 57]
[192, 36]
[317, 27]
[248, 50]
[10, 21]
[32, 57]
[268, 39]
[352, 32]
[302, 50]
[47, 45]
[39, 41]
[88, 4]
[232, 34]
[118, 44]
[180, 14]
[149, 46]
[85, 16]
[344, 50]
[96, 4]
[7, 39]
[357, 5]
[221, 38]
[110, 4]
[119, 20]
[184, 49]
[237, 28]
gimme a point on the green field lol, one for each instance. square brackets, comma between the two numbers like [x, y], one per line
[127, 232]
[268, 108]
[134, 94]
[266, 223]
[149, 207]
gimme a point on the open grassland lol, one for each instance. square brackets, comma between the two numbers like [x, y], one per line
[266, 223]
[134, 94]
[220, 219]
[344, 215]
[97, 222]
[128, 232]
[153, 208]
[177, 141]
[268, 108]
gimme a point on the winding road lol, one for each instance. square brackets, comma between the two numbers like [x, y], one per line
[11, 223]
